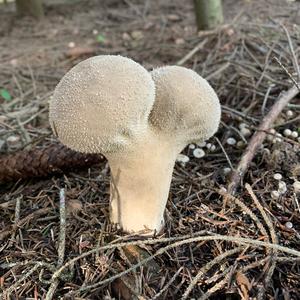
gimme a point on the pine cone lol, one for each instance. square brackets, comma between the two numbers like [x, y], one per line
[40, 162]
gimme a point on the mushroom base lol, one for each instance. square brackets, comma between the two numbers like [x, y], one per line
[140, 186]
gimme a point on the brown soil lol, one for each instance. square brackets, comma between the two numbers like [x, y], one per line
[238, 60]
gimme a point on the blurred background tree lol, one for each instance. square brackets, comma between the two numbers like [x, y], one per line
[30, 7]
[209, 13]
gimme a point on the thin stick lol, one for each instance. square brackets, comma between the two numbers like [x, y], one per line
[263, 107]
[216, 287]
[295, 61]
[167, 285]
[245, 209]
[287, 72]
[226, 155]
[263, 213]
[261, 293]
[213, 237]
[189, 55]
[62, 242]
[259, 137]
[124, 244]
[206, 268]
[17, 218]
[16, 284]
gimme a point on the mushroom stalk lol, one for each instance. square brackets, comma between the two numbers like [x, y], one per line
[140, 184]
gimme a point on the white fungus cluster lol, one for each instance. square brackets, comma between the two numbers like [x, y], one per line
[282, 188]
[274, 136]
[197, 150]
[277, 137]
[290, 134]
[244, 130]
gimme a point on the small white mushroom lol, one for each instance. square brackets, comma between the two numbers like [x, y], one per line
[226, 171]
[287, 132]
[277, 138]
[294, 134]
[275, 194]
[289, 225]
[231, 141]
[246, 132]
[192, 146]
[289, 113]
[282, 187]
[213, 148]
[242, 125]
[277, 176]
[13, 141]
[198, 153]
[296, 186]
[140, 121]
[201, 144]
[181, 158]
[208, 146]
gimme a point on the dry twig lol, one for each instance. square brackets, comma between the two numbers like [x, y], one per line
[259, 137]
[62, 243]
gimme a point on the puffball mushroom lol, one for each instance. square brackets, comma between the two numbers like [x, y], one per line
[139, 121]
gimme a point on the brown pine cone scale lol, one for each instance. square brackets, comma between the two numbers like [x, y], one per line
[41, 162]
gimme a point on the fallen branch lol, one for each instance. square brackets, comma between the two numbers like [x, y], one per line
[258, 138]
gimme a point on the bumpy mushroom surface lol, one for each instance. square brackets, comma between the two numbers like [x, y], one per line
[185, 105]
[140, 121]
[102, 104]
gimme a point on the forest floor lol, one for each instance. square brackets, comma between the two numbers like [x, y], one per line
[215, 245]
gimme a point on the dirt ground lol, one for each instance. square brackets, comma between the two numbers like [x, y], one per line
[250, 61]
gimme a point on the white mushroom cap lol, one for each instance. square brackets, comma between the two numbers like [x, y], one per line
[186, 106]
[102, 104]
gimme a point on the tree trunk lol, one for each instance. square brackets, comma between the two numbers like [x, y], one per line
[209, 13]
[30, 7]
